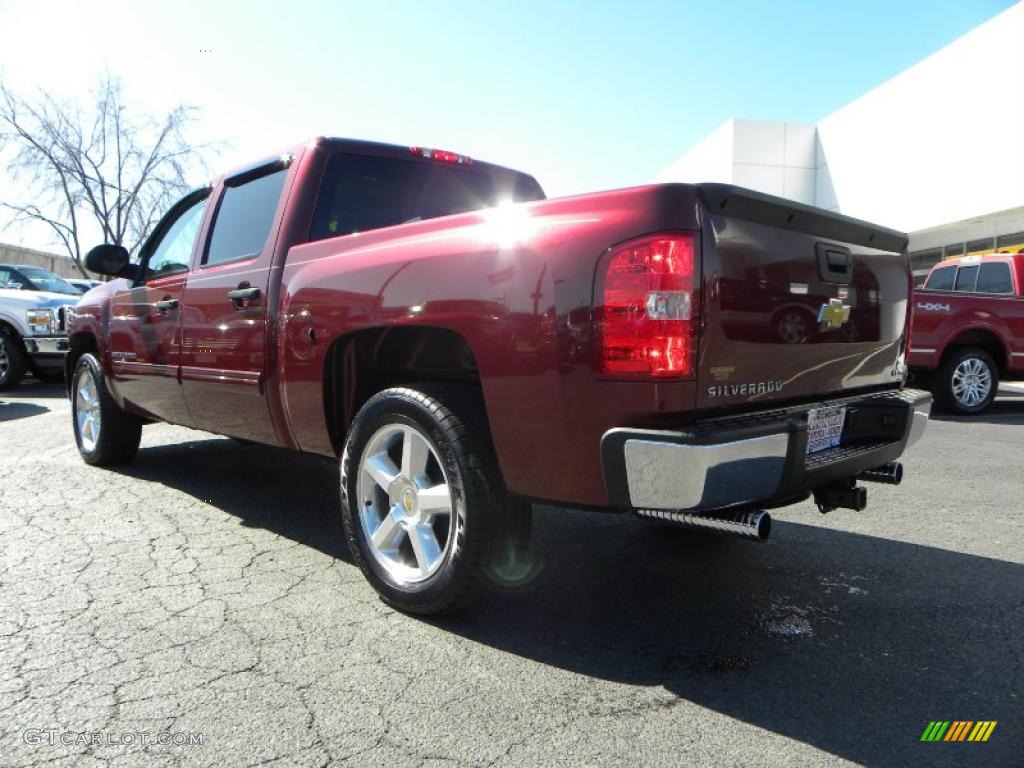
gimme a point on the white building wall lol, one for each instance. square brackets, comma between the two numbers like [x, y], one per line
[942, 141]
[772, 157]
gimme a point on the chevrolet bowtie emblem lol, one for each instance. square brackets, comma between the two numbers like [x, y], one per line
[833, 314]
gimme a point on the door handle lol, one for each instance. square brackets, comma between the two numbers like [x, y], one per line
[166, 305]
[242, 295]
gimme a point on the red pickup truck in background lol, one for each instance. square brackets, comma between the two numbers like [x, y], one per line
[968, 329]
[464, 347]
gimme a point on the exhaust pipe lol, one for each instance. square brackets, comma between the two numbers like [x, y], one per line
[890, 474]
[754, 525]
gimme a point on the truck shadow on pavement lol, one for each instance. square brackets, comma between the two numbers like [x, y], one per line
[292, 494]
[9, 411]
[1002, 411]
[847, 642]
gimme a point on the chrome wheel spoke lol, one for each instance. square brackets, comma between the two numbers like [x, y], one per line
[389, 533]
[436, 500]
[415, 453]
[425, 546]
[381, 470]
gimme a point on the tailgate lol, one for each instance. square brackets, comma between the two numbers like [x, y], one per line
[798, 303]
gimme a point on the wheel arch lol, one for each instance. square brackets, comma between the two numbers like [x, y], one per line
[361, 363]
[982, 338]
[78, 344]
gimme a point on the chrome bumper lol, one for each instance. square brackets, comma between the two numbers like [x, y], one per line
[666, 476]
[754, 460]
[918, 421]
[57, 345]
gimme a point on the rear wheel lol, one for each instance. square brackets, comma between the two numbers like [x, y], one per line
[12, 361]
[794, 326]
[424, 511]
[967, 381]
[104, 433]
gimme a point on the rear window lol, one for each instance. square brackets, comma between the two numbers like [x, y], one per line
[360, 193]
[941, 279]
[994, 277]
[965, 279]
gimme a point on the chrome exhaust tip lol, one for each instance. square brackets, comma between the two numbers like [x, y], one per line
[890, 474]
[753, 525]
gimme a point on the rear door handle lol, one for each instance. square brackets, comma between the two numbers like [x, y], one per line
[166, 305]
[241, 296]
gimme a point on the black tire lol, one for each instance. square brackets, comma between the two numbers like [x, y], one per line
[13, 361]
[487, 532]
[119, 432]
[956, 364]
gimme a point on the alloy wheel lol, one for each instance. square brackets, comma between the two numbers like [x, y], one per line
[405, 503]
[972, 382]
[87, 409]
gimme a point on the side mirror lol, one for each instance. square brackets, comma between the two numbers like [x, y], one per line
[113, 260]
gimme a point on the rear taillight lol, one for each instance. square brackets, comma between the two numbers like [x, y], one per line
[645, 308]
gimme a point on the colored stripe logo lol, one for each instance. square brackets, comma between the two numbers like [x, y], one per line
[959, 730]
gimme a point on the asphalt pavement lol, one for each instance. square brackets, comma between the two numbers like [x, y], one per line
[199, 608]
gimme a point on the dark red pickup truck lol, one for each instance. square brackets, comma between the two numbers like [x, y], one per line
[968, 329]
[463, 347]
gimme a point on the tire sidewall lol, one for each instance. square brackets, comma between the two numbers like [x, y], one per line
[947, 381]
[399, 408]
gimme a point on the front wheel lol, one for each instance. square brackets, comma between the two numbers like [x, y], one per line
[12, 361]
[424, 511]
[104, 433]
[967, 381]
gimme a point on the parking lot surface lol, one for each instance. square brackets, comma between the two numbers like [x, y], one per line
[205, 593]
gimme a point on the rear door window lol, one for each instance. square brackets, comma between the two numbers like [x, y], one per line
[994, 277]
[244, 217]
[941, 279]
[965, 279]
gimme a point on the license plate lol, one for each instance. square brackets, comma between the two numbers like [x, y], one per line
[825, 427]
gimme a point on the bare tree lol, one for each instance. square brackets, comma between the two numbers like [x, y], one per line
[104, 166]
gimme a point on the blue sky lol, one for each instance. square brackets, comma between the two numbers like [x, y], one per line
[584, 95]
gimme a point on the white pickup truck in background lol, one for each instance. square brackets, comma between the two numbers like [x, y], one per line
[33, 335]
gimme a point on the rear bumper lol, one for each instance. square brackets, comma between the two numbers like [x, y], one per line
[756, 459]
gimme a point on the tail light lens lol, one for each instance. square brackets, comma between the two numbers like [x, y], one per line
[646, 309]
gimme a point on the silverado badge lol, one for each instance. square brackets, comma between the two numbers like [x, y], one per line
[833, 314]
